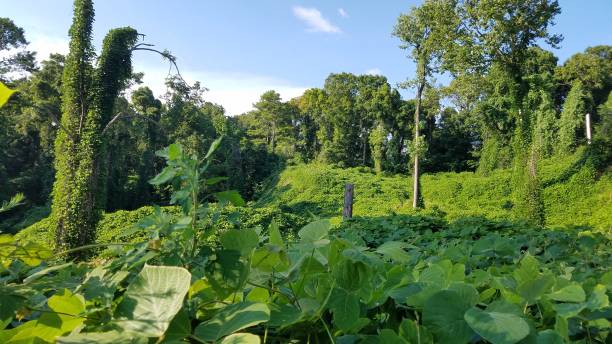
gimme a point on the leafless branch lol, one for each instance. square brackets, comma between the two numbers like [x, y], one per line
[166, 55]
[124, 116]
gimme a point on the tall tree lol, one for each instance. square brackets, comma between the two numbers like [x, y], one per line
[88, 98]
[572, 117]
[496, 35]
[593, 68]
[12, 37]
[425, 32]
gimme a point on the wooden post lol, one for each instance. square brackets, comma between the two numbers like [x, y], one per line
[347, 210]
[588, 127]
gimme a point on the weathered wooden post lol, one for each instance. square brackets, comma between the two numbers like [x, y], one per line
[347, 210]
[588, 127]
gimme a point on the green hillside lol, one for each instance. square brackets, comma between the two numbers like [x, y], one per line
[575, 193]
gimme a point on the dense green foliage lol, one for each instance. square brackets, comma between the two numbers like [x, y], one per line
[503, 238]
[402, 279]
[574, 192]
[88, 98]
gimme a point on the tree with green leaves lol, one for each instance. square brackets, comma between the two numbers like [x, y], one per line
[496, 36]
[88, 99]
[13, 42]
[424, 31]
[572, 117]
[593, 68]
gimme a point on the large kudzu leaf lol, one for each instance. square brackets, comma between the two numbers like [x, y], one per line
[270, 258]
[496, 327]
[243, 240]
[411, 331]
[65, 316]
[180, 327]
[394, 250]
[152, 300]
[283, 315]
[231, 319]
[598, 298]
[532, 290]
[345, 308]
[570, 293]
[111, 337]
[241, 338]
[314, 231]
[230, 196]
[443, 316]
[549, 337]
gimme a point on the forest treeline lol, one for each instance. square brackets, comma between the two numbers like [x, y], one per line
[353, 120]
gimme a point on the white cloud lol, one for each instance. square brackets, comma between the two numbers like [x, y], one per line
[236, 92]
[45, 45]
[343, 13]
[374, 71]
[315, 21]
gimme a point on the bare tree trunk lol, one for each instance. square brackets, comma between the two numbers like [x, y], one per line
[416, 192]
[347, 210]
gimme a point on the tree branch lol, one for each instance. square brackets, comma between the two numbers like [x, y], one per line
[164, 54]
[124, 116]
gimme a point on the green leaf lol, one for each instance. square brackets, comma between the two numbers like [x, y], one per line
[258, 294]
[241, 338]
[414, 333]
[175, 151]
[231, 196]
[443, 316]
[533, 289]
[8, 305]
[164, 176]
[243, 240]
[213, 147]
[231, 319]
[283, 315]
[549, 337]
[394, 250]
[570, 293]
[568, 310]
[388, 336]
[270, 258]
[497, 328]
[345, 308]
[275, 235]
[153, 299]
[180, 327]
[314, 231]
[111, 337]
[215, 180]
[5, 94]
[528, 270]
[43, 272]
[598, 298]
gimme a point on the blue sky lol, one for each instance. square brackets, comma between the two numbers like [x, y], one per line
[239, 49]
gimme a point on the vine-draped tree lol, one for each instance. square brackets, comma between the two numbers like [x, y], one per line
[425, 32]
[494, 37]
[88, 97]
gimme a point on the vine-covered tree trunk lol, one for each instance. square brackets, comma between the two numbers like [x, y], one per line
[88, 98]
[71, 208]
